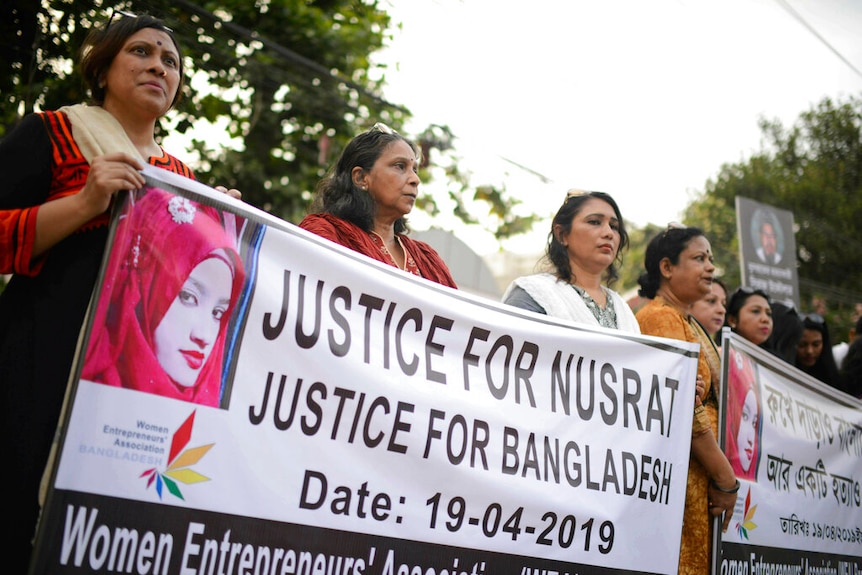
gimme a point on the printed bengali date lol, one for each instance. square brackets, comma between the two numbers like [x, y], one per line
[793, 525]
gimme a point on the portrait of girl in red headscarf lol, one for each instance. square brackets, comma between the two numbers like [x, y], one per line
[743, 417]
[172, 281]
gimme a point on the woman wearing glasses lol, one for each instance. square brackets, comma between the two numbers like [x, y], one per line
[585, 245]
[61, 170]
[679, 272]
[814, 351]
[362, 203]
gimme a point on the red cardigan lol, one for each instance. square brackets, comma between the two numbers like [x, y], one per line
[431, 265]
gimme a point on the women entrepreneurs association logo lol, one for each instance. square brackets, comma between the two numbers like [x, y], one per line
[180, 462]
[747, 524]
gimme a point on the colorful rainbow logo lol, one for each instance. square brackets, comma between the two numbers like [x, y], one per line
[180, 461]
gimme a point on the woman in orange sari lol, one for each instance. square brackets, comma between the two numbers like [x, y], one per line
[679, 272]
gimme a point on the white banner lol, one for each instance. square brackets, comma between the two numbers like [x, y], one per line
[372, 422]
[797, 448]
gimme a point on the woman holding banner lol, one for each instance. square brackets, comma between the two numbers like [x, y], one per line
[61, 170]
[679, 272]
[170, 285]
[586, 243]
[362, 203]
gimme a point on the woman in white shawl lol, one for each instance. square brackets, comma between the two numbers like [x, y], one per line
[584, 248]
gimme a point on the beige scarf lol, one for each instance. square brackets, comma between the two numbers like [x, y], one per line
[97, 132]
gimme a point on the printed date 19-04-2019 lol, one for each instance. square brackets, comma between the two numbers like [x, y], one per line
[564, 531]
[555, 529]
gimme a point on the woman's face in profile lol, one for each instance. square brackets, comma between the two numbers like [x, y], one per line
[710, 310]
[746, 436]
[691, 278]
[185, 336]
[393, 181]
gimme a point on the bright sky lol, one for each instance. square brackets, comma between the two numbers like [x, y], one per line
[643, 100]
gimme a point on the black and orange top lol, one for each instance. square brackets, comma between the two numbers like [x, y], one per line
[46, 165]
[44, 304]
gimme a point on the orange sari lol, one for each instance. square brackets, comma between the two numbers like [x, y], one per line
[662, 319]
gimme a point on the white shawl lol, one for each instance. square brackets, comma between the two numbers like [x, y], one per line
[558, 299]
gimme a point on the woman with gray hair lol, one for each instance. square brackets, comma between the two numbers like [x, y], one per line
[362, 203]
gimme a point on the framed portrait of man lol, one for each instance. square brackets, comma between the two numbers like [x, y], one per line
[767, 250]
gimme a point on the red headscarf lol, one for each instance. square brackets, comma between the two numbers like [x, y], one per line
[158, 243]
[741, 379]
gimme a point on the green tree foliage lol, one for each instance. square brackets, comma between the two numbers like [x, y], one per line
[633, 258]
[504, 219]
[813, 169]
[287, 83]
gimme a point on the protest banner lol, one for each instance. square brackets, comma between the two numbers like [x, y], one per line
[796, 447]
[363, 420]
